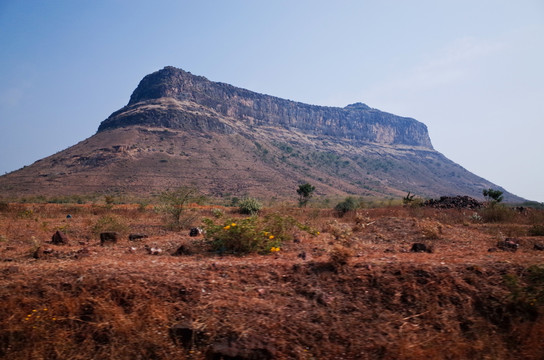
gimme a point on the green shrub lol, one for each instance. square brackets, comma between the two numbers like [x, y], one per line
[250, 206]
[349, 204]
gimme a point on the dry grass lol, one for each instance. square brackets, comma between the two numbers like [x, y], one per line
[357, 294]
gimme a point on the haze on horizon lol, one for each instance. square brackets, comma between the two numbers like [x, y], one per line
[470, 70]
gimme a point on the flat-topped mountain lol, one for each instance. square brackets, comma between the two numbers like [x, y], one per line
[181, 129]
[172, 98]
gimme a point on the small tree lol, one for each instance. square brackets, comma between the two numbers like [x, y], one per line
[174, 201]
[494, 196]
[305, 192]
[408, 198]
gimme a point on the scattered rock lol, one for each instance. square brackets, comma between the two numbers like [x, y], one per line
[153, 250]
[182, 250]
[59, 238]
[262, 292]
[10, 270]
[539, 247]
[108, 238]
[302, 255]
[42, 252]
[250, 349]
[492, 250]
[81, 253]
[195, 232]
[134, 237]
[419, 247]
[185, 335]
[508, 244]
[454, 202]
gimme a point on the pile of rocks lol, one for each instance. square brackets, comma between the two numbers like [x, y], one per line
[454, 202]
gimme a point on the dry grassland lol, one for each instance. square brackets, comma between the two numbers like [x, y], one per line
[355, 291]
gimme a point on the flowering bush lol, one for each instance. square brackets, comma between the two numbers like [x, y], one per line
[251, 235]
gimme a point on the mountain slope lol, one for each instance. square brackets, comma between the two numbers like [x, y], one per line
[181, 129]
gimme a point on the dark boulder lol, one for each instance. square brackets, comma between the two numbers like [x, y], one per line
[42, 252]
[108, 238]
[59, 238]
[195, 232]
[419, 247]
[247, 349]
[186, 335]
[134, 237]
[539, 247]
[182, 250]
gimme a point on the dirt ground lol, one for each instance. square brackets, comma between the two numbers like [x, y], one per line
[353, 291]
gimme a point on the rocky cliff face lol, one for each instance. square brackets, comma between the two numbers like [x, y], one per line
[177, 99]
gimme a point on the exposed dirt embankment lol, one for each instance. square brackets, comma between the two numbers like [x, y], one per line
[251, 308]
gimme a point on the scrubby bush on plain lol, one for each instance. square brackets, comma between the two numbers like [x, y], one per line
[349, 204]
[250, 206]
[173, 204]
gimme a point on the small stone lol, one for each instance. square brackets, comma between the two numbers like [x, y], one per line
[195, 232]
[108, 238]
[59, 238]
[153, 250]
[508, 244]
[182, 250]
[419, 247]
[134, 237]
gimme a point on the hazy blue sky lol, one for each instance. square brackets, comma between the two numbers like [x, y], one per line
[472, 71]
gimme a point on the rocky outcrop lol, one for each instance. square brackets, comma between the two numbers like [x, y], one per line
[176, 99]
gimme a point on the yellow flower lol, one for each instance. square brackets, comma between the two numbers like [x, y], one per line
[233, 224]
[227, 227]
[271, 237]
[318, 233]
[265, 233]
